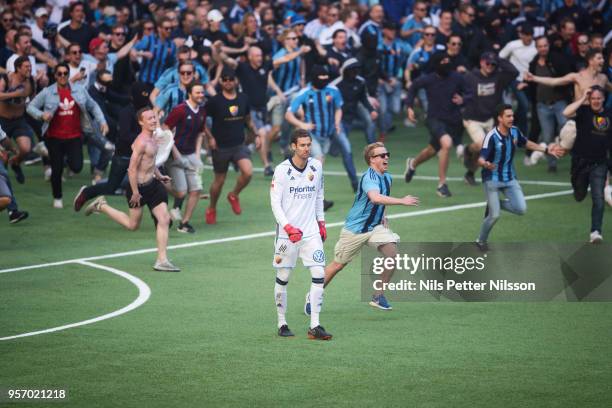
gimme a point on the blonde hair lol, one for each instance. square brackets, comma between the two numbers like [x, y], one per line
[368, 150]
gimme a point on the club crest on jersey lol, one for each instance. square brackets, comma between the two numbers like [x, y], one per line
[328, 98]
[310, 176]
[233, 110]
[318, 256]
[601, 123]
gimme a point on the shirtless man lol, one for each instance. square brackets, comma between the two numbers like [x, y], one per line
[145, 188]
[15, 87]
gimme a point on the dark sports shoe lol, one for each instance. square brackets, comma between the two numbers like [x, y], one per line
[284, 331]
[482, 246]
[185, 228]
[16, 216]
[319, 333]
[19, 176]
[469, 179]
[268, 171]
[443, 191]
[409, 172]
[79, 199]
[327, 205]
[380, 302]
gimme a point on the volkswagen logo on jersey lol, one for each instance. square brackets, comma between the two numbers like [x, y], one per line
[318, 256]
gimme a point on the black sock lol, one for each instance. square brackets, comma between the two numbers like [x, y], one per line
[178, 202]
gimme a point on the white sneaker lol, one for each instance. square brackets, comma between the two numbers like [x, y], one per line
[596, 237]
[176, 215]
[460, 150]
[48, 174]
[40, 149]
[527, 160]
[95, 206]
[58, 203]
[608, 195]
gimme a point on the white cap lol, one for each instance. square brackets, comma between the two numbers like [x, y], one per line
[41, 11]
[215, 15]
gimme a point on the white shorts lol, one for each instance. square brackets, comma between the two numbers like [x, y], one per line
[309, 249]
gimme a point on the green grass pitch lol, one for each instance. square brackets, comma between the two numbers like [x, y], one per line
[207, 336]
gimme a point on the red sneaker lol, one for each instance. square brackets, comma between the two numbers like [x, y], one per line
[211, 216]
[234, 202]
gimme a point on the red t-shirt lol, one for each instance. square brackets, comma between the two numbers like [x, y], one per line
[66, 123]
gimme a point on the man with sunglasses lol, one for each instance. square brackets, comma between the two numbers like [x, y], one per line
[366, 222]
[158, 51]
[413, 26]
[229, 110]
[177, 93]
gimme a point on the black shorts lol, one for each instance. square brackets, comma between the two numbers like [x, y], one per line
[438, 128]
[152, 193]
[223, 157]
[17, 127]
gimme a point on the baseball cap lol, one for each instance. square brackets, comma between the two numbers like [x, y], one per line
[489, 57]
[94, 44]
[297, 20]
[215, 15]
[41, 11]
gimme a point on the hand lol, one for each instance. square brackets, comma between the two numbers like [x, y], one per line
[250, 40]
[135, 200]
[282, 97]
[392, 81]
[461, 69]
[295, 234]
[586, 95]
[338, 128]
[527, 76]
[304, 49]
[47, 116]
[457, 99]
[333, 61]
[373, 115]
[374, 102]
[104, 129]
[79, 76]
[411, 115]
[322, 230]
[217, 44]
[488, 165]
[212, 143]
[556, 151]
[410, 200]
[522, 85]
[164, 179]
[307, 126]
[146, 54]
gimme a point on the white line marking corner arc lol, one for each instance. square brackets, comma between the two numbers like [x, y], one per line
[144, 293]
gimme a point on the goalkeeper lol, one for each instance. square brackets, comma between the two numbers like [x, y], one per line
[296, 196]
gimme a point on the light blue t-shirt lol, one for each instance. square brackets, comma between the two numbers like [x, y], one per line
[365, 215]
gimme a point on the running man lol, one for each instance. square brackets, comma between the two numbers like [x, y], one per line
[145, 188]
[498, 174]
[296, 196]
[366, 223]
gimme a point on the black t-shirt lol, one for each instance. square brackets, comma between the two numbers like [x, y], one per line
[81, 36]
[229, 119]
[593, 134]
[254, 83]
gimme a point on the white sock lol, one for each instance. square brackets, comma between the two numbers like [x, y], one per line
[316, 294]
[280, 294]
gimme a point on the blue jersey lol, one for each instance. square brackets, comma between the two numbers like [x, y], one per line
[319, 107]
[392, 59]
[170, 98]
[163, 55]
[365, 215]
[171, 77]
[411, 24]
[499, 150]
[287, 76]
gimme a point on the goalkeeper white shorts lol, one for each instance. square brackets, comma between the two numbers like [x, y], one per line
[309, 249]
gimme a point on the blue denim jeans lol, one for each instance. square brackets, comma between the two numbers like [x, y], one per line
[549, 115]
[390, 99]
[341, 143]
[4, 178]
[585, 175]
[514, 203]
[368, 124]
[522, 107]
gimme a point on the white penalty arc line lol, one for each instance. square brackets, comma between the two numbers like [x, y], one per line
[432, 178]
[144, 292]
[270, 233]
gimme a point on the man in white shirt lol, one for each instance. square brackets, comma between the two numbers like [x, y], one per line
[314, 27]
[38, 28]
[520, 53]
[296, 196]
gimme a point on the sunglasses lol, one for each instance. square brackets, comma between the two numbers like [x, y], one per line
[382, 155]
[76, 52]
[227, 79]
[148, 28]
[167, 28]
[333, 15]
[291, 38]
[8, 20]
[429, 34]
[456, 44]
[119, 34]
[61, 73]
[582, 43]
[421, 9]
[490, 64]
[186, 72]
[472, 15]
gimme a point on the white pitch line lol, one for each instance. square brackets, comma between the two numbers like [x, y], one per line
[432, 178]
[270, 233]
[144, 292]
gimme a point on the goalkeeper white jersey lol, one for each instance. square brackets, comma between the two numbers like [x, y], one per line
[296, 196]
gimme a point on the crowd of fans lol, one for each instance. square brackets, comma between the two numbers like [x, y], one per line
[75, 73]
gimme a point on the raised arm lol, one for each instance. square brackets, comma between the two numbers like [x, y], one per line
[570, 110]
[560, 81]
